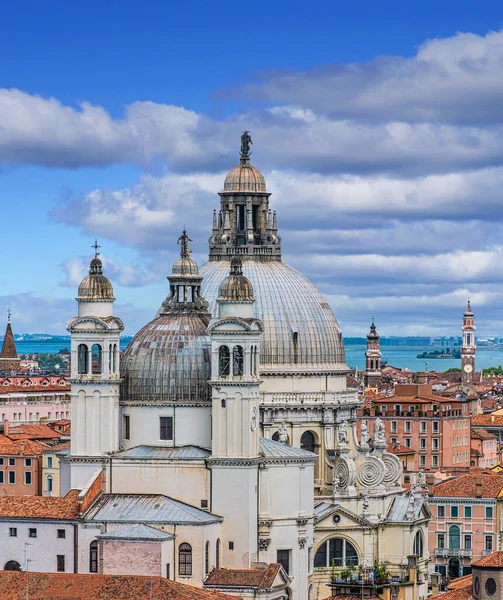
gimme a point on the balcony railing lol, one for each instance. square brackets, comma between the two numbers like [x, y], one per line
[453, 552]
[309, 398]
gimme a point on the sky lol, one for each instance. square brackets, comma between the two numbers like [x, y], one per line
[378, 127]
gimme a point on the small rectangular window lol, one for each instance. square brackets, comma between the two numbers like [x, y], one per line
[231, 545]
[423, 426]
[13, 531]
[434, 444]
[12, 462]
[454, 512]
[27, 478]
[1, 461]
[12, 477]
[61, 534]
[2, 477]
[441, 511]
[468, 542]
[489, 542]
[441, 540]
[166, 428]
[468, 512]
[408, 442]
[49, 462]
[394, 426]
[422, 443]
[32, 532]
[27, 462]
[283, 558]
[489, 512]
[168, 571]
[407, 426]
[60, 558]
[434, 460]
[204, 503]
[422, 461]
[435, 428]
[126, 431]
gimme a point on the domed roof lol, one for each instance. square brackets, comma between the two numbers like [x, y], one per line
[300, 329]
[95, 286]
[244, 178]
[236, 287]
[185, 266]
[169, 361]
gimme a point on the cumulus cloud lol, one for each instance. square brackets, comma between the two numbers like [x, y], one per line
[129, 275]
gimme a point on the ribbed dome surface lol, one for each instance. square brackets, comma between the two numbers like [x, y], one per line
[300, 329]
[185, 266]
[244, 178]
[169, 361]
[236, 287]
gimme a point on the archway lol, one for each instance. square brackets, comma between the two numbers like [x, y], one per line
[453, 568]
[336, 551]
[309, 442]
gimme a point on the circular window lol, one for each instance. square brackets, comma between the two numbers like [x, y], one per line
[491, 586]
[476, 586]
[336, 519]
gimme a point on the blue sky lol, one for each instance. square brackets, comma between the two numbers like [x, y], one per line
[378, 126]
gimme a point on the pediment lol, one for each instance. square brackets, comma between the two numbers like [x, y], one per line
[337, 516]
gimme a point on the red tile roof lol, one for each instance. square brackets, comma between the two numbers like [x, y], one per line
[39, 507]
[463, 593]
[482, 434]
[488, 420]
[466, 486]
[34, 432]
[493, 560]
[58, 447]
[10, 447]
[460, 582]
[70, 586]
[262, 578]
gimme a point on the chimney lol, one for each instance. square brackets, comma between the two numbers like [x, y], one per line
[6, 427]
[21, 447]
[430, 481]
[492, 418]
[478, 487]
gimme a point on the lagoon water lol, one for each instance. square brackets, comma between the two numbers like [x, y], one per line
[398, 356]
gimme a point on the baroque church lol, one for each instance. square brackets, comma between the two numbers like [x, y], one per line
[223, 440]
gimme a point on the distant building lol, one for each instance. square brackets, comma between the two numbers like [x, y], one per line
[373, 358]
[50, 469]
[20, 467]
[484, 448]
[9, 359]
[468, 348]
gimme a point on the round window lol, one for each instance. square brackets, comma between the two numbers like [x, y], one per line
[491, 586]
[336, 519]
[476, 586]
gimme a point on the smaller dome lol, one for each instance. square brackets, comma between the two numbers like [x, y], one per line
[236, 287]
[185, 266]
[244, 178]
[95, 286]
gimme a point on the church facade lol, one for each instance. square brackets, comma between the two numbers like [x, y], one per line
[224, 439]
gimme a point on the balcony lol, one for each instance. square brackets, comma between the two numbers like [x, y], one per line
[453, 552]
[310, 398]
[487, 552]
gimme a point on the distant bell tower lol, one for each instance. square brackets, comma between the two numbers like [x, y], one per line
[468, 345]
[373, 358]
[9, 359]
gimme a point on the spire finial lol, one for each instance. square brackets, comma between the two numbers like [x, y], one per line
[96, 246]
[372, 320]
[184, 240]
[246, 142]
[8, 315]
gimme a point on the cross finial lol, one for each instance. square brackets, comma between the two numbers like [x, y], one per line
[8, 315]
[96, 246]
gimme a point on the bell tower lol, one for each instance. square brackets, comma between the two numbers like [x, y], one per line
[95, 338]
[468, 345]
[235, 336]
[373, 358]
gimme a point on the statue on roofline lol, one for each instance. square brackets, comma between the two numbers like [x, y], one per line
[246, 142]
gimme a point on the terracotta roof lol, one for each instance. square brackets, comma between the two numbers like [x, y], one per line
[37, 432]
[70, 586]
[262, 578]
[460, 582]
[39, 507]
[58, 447]
[10, 447]
[482, 434]
[488, 420]
[8, 346]
[466, 486]
[463, 593]
[493, 560]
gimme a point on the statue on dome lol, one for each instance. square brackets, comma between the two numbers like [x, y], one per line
[184, 240]
[246, 142]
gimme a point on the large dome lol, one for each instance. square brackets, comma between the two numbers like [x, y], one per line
[300, 329]
[244, 178]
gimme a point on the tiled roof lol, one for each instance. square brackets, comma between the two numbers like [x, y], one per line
[35, 432]
[39, 507]
[10, 447]
[466, 486]
[493, 560]
[58, 448]
[148, 509]
[70, 586]
[460, 582]
[262, 578]
[487, 420]
[462, 593]
[482, 434]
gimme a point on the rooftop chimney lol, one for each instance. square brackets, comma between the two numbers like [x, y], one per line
[478, 487]
[6, 427]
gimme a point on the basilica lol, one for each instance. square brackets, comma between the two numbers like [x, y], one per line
[223, 442]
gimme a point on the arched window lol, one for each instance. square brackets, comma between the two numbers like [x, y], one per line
[454, 537]
[217, 555]
[237, 360]
[418, 544]
[93, 557]
[307, 441]
[96, 359]
[224, 366]
[337, 551]
[82, 359]
[48, 484]
[185, 559]
[12, 565]
[207, 558]
[110, 358]
[116, 359]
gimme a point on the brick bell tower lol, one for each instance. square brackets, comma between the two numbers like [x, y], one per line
[373, 358]
[468, 345]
